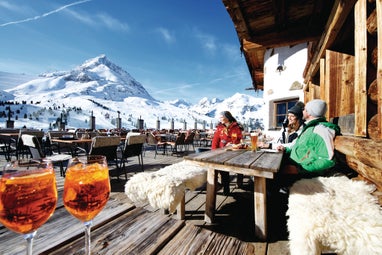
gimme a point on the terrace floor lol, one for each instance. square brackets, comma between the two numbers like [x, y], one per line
[234, 214]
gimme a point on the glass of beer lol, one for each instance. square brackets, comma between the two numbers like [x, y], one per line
[28, 196]
[254, 137]
[86, 190]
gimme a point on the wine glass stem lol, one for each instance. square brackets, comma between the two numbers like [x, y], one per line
[29, 237]
[88, 226]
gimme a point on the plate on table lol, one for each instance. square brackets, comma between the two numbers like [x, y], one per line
[238, 148]
[269, 150]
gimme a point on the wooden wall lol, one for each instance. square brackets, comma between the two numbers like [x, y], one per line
[351, 84]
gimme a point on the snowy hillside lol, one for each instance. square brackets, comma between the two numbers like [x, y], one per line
[101, 88]
[10, 80]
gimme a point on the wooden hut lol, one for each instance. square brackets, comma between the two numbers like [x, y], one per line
[343, 64]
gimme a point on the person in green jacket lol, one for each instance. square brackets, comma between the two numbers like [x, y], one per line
[312, 152]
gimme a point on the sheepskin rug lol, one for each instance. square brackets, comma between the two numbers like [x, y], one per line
[166, 187]
[335, 214]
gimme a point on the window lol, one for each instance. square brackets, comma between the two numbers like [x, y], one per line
[281, 110]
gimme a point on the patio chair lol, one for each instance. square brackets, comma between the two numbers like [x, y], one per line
[32, 142]
[133, 147]
[178, 144]
[156, 144]
[8, 142]
[21, 149]
[189, 140]
[107, 146]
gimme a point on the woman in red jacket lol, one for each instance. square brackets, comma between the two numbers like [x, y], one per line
[227, 132]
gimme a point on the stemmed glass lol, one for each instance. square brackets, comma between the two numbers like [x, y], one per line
[28, 196]
[86, 190]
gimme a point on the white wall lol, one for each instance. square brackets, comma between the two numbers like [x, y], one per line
[277, 85]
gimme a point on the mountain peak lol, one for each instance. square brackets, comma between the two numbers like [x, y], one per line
[96, 77]
[99, 60]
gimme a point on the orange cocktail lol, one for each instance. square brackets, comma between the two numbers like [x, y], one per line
[27, 200]
[86, 190]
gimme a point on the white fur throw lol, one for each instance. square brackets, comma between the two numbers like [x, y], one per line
[166, 187]
[336, 214]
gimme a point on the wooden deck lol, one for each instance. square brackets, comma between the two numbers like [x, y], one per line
[125, 228]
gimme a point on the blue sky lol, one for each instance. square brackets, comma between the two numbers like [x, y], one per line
[175, 48]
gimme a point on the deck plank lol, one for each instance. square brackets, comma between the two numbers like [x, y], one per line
[196, 240]
[136, 232]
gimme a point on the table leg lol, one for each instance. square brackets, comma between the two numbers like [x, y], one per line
[260, 206]
[211, 196]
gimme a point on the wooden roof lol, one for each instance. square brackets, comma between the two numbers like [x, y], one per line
[266, 24]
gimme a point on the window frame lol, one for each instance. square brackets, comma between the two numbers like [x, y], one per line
[277, 114]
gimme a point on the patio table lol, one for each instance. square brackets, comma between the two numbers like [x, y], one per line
[262, 165]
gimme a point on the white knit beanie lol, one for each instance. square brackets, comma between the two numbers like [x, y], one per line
[316, 108]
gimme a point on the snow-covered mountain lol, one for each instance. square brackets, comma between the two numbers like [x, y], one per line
[101, 88]
[9, 80]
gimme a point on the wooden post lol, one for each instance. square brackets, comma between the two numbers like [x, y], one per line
[119, 121]
[10, 123]
[92, 124]
[379, 69]
[140, 123]
[360, 68]
[62, 123]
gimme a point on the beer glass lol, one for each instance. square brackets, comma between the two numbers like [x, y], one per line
[254, 137]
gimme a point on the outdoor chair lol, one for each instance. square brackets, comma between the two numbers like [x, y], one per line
[21, 149]
[178, 144]
[156, 144]
[106, 146]
[189, 141]
[32, 142]
[8, 143]
[133, 146]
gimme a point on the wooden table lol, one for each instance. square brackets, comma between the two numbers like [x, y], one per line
[73, 143]
[77, 143]
[260, 164]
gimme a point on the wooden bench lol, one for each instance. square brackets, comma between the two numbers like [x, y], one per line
[165, 188]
